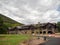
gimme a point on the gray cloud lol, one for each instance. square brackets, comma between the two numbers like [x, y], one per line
[31, 11]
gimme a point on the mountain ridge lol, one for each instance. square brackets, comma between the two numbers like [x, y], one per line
[9, 21]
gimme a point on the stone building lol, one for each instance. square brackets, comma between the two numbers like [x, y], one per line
[40, 28]
[49, 28]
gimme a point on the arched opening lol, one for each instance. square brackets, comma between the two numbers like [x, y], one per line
[40, 32]
[32, 32]
[50, 32]
[44, 32]
[37, 32]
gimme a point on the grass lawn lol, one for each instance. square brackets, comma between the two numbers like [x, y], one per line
[13, 39]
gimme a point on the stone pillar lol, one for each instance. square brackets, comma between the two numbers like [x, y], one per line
[53, 30]
[46, 31]
[42, 31]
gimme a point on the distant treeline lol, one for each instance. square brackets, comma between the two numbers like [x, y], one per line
[58, 24]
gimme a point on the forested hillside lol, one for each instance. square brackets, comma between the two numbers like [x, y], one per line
[9, 22]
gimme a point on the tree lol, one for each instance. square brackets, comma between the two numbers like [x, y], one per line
[3, 27]
[58, 24]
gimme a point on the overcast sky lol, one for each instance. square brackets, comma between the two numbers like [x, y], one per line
[31, 11]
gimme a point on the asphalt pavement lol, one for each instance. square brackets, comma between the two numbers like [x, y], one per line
[52, 41]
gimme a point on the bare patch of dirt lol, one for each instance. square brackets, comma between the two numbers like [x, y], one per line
[33, 42]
